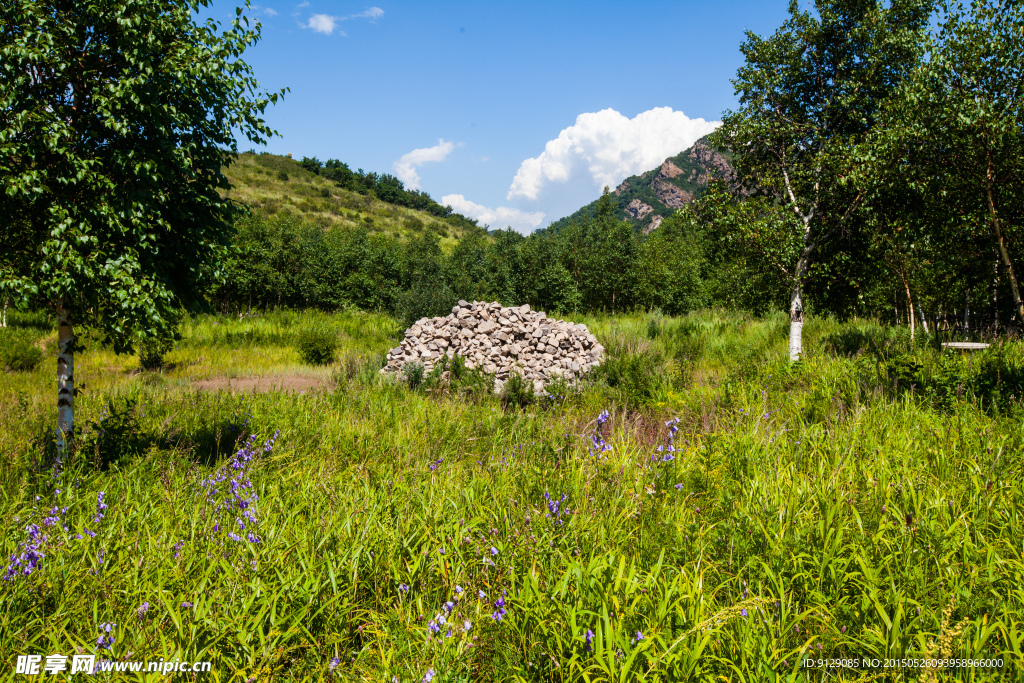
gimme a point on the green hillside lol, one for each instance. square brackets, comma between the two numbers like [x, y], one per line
[280, 185]
[647, 199]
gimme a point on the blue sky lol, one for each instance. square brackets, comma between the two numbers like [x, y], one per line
[516, 113]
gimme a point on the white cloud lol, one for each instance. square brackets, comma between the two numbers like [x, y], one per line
[260, 9]
[608, 147]
[405, 167]
[322, 23]
[304, 3]
[371, 13]
[500, 217]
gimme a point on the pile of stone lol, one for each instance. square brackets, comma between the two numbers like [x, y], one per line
[501, 341]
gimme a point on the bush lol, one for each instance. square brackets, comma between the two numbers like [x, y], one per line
[18, 350]
[413, 374]
[151, 352]
[517, 392]
[425, 300]
[634, 374]
[317, 346]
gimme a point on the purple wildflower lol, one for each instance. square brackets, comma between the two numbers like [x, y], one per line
[334, 663]
[239, 498]
[28, 560]
[106, 638]
[429, 676]
[554, 512]
[142, 610]
[494, 551]
[597, 442]
[100, 507]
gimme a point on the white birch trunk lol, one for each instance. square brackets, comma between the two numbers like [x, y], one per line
[6, 300]
[1018, 303]
[924, 320]
[65, 379]
[967, 311]
[910, 303]
[796, 322]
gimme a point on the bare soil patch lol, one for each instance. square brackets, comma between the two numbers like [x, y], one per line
[292, 383]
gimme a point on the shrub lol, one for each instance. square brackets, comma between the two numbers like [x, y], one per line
[281, 175]
[347, 370]
[425, 300]
[317, 346]
[413, 374]
[634, 374]
[18, 350]
[151, 352]
[557, 393]
[517, 392]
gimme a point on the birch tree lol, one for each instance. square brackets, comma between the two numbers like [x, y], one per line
[808, 95]
[955, 134]
[115, 119]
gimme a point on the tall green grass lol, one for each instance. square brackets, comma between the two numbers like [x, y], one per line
[863, 503]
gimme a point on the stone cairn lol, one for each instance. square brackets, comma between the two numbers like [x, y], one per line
[501, 341]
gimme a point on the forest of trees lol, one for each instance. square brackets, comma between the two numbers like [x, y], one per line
[879, 153]
[882, 172]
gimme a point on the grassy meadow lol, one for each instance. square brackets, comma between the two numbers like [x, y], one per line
[699, 510]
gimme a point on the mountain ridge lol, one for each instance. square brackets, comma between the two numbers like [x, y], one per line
[647, 199]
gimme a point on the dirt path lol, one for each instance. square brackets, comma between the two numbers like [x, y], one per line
[289, 383]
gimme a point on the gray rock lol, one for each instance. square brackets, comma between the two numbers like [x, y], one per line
[501, 340]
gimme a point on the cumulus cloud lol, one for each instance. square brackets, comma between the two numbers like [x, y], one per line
[405, 167]
[607, 147]
[325, 23]
[322, 23]
[500, 217]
